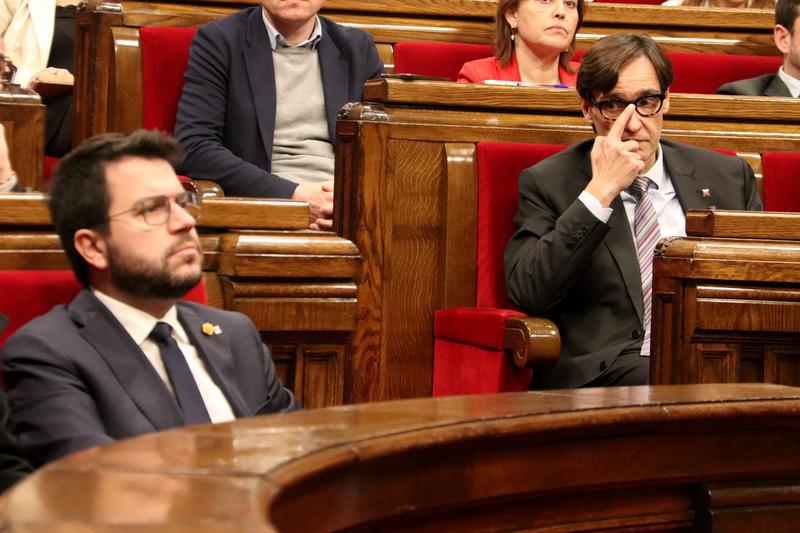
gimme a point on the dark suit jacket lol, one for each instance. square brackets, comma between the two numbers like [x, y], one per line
[565, 264]
[76, 379]
[226, 115]
[766, 85]
[12, 466]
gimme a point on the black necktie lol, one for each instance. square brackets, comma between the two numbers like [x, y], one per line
[186, 392]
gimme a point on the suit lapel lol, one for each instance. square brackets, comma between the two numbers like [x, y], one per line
[694, 191]
[335, 75]
[261, 76]
[215, 352]
[129, 365]
[776, 87]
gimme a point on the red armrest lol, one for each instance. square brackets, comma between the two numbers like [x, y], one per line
[479, 326]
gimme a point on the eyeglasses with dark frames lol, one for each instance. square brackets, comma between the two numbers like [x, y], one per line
[646, 106]
[155, 210]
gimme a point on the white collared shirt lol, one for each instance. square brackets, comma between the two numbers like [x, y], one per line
[792, 83]
[139, 324]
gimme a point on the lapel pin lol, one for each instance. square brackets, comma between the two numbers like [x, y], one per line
[210, 329]
[706, 193]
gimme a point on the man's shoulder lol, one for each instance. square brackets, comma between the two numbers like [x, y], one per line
[748, 87]
[233, 24]
[571, 156]
[53, 326]
[213, 314]
[698, 154]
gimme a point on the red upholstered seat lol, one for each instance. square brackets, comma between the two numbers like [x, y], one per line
[165, 54]
[695, 72]
[443, 60]
[781, 181]
[469, 355]
[26, 294]
[703, 73]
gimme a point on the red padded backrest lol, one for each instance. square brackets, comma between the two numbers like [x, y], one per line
[499, 165]
[703, 73]
[781, 181]
[26, 294]
[443, 60]
[165, 54]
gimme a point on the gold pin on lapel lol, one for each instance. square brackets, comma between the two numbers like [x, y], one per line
[706, 193]
[211, 329]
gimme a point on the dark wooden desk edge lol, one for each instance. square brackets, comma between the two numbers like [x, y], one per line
[304, 446]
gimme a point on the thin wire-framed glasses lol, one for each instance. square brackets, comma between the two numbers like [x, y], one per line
[646, 106]
[155, 210]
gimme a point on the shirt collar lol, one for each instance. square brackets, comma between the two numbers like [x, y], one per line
[656, 173]
[276, 39]
[136, 322]
[793, 84]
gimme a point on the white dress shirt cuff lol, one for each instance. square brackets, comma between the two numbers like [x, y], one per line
[593, 204]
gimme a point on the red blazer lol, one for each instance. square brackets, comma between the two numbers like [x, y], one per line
[489, 68]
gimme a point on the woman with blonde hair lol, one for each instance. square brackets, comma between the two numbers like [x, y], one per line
[533, 43]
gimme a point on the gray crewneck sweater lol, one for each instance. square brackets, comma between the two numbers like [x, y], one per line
[301, 148]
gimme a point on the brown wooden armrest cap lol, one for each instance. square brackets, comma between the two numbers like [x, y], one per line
[206, 188]
[532, 341]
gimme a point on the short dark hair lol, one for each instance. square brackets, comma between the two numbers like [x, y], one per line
[602, 64]
[786, 13]
[79, 195]
[504, 47]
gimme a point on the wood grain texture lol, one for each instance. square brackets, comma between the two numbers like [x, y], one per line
[642, 458]
[22, 116]
[727, 308]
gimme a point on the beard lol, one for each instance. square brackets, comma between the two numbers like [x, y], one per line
[138, 277]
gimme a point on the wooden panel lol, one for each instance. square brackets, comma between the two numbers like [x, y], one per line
[22, 116]
[685, 458]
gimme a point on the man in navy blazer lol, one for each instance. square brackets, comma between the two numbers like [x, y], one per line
[786, 81]
[93, 371]
[227, 114]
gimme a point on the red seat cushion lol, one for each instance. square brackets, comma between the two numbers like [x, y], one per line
[165, 54]
[443, 60]
[703, 73]
[781, 181]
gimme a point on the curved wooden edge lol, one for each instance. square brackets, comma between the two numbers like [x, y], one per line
[534, 342]
[207, 188]
[636, 458]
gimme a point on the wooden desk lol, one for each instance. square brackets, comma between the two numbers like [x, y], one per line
[298, 286]
[22, 116]
[726, 300]
[406, 195]
[108, 64]
[688, 458]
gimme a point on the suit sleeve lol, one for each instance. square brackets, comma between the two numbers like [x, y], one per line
[51, 412]
[752, 199]
[730, 88]
[200, 124]
[549, 251]
[12, 466]
[376, 67]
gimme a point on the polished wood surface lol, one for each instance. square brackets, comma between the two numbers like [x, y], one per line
[726, 303]
[108, 62]
[298, 286]
[677, 458]
[22, 116]
[406, 195]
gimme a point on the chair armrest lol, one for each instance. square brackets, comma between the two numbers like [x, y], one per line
[207, 189]
[477, 326]
[533, 342]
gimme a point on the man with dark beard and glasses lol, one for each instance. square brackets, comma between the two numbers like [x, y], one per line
[125, 357]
